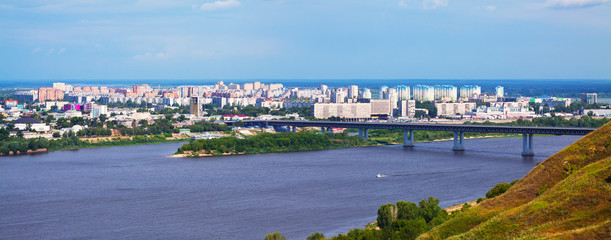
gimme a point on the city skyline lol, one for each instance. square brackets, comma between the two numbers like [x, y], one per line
[239, 39]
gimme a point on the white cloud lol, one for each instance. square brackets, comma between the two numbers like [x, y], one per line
[402, 3]
[491, 8]
[432, 4]
[36, 50]
[150, 56]
[573, 3]
[220, 4]
[62, 50]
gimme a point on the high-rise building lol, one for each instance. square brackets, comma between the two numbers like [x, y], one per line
[138, 89]
[446, 93]
[366, 93]
[323, 89]
[53, 94]
[393, 97]
[248, 86]
[424, 93]
[468, 91]
[500, 91]
[196, 106]
[353, 91]
[234, 86]
[384, 92]
[406, 108]
[60, 86]
[338, 95]
[403, 92]
[589, 98]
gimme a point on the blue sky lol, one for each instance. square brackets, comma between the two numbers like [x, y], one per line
[313, 39]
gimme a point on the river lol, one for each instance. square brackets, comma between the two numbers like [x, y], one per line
[137, 192]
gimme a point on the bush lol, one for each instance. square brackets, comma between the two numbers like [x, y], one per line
[498, 190]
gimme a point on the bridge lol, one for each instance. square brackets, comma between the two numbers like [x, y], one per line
[409, 128]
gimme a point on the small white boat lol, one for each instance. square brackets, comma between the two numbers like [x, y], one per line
[379, 175]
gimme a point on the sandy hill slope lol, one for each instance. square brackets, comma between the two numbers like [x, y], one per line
[567, 196]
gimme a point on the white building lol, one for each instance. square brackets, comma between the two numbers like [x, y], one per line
[499, 91]
[366, 93]
[453, 109]
[424, 93]
[468, 91]
[353, 91]
[403, 92]
[406, 108]
[446, 93]
[33, 124]
[342, 110]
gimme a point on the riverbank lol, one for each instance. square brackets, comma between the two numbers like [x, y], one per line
[22, 146]
[203, 154]
[102, 144]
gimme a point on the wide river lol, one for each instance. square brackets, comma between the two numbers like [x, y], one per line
[137, 192]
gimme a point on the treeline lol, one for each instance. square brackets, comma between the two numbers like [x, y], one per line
[21, 145]
[556, 121]
[204, 126]
[266, 142]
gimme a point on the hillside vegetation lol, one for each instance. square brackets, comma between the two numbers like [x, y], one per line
[567, 196]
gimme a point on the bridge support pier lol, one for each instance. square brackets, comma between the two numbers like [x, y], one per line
[527, 145]
[458, 142]
[408, 140]
[363, 133]
[293, 129]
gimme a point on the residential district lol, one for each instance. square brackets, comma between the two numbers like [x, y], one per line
[55, 111]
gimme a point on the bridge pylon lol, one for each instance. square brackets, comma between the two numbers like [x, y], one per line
[527, 145]
[458, 142]
[408, 138]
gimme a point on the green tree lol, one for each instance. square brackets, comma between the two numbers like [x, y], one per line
[275, 236]
[430, 209]
[386, 214]
[407, 210]
[408, 229]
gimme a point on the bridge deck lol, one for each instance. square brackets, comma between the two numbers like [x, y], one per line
[429, 127]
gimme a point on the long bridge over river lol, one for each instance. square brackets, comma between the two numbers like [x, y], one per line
[409, 128]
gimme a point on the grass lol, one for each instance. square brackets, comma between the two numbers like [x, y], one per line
[566, 196]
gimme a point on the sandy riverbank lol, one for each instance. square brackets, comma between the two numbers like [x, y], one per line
[459, 206]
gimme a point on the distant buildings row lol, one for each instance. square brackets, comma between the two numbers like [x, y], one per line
[349, 102]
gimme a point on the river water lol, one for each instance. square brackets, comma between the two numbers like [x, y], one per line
[136, 192]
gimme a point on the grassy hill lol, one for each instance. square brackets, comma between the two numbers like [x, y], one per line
[567, 196]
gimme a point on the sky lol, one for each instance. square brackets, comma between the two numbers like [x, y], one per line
[298, 39]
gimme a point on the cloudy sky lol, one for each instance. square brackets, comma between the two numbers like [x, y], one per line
[298, 39]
